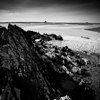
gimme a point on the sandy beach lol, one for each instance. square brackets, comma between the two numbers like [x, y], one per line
[74, 35]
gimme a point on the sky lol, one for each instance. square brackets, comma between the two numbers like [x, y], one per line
[50, 11]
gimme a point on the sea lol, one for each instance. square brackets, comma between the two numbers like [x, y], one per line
[63, 29]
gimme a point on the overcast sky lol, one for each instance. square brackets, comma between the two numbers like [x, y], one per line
[49, 10]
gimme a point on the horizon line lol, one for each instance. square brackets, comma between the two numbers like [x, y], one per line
[53, 22]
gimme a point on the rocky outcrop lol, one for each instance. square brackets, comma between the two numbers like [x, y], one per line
[32, 69]
[44, 37]
[20, 68]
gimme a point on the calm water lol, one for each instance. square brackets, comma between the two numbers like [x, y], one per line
[62, 29]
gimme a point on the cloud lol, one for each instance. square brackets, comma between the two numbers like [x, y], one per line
[15, 4]
[52, 10]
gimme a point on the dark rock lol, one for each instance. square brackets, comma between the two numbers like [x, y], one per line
[36, 70]
[20, 60]
[85, 37]
[44, 37]
[33, 35]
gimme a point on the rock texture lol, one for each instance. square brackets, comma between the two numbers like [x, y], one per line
[33, 69]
